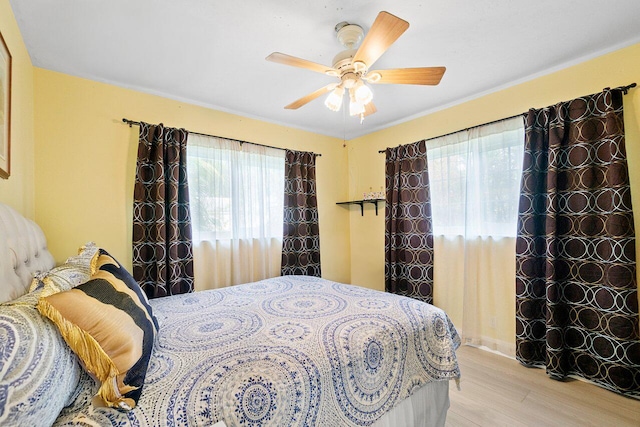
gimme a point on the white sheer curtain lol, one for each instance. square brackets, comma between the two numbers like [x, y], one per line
[474, 177]
[236, 194]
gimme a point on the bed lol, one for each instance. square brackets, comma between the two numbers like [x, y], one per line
[287, 351]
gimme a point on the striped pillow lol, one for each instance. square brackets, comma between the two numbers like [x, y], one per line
[108, 323]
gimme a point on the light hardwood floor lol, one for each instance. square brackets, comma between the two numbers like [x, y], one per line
[498, 391]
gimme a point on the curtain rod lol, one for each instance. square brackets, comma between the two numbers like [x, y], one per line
[133, 122]
[465, 129]
[624, 89]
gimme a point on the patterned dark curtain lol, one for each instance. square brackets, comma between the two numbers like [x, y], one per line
[576, 291]
[301, 239]
[408, 239]
[162, 247]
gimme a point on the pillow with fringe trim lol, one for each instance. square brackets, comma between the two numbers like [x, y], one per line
[108, 323]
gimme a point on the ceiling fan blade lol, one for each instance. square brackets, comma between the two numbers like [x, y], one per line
[385, 30]
[313, 95]
[409, 76]
[283, 58]
[369, 108]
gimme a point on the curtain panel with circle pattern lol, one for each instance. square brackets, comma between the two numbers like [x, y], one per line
[301, 233]
[408, 223]
[162, 246]
[576, 290]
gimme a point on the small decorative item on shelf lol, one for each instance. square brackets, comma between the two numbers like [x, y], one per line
[373, 195]
[369, 195]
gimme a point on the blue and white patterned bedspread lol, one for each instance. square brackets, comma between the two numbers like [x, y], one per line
[288, 351]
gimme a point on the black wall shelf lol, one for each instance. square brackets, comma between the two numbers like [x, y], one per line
[361, 204]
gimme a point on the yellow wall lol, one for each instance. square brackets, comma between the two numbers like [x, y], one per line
[86, 157]
[366, 165]
[18, 190]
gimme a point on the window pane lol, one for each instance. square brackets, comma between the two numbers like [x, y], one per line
[474, 177]
[236, 191]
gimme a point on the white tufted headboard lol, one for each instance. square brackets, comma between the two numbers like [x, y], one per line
[23, 252]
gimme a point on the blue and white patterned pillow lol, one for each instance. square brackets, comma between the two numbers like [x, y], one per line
[39, 373]
[75, 270]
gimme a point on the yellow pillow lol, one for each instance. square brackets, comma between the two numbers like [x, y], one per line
[108, 323]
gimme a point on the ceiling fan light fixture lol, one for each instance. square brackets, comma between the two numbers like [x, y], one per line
[362, 93]
[355, 108]
[334, 100]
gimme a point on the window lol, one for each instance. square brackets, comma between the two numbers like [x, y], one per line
[236, 197]
[474, 176]
[236, 191]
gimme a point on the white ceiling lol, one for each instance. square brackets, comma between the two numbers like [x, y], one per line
[212, 52]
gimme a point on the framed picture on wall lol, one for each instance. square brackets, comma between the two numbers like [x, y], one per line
[5, 110]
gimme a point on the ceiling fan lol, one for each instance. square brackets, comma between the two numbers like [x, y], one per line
[352, 66]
